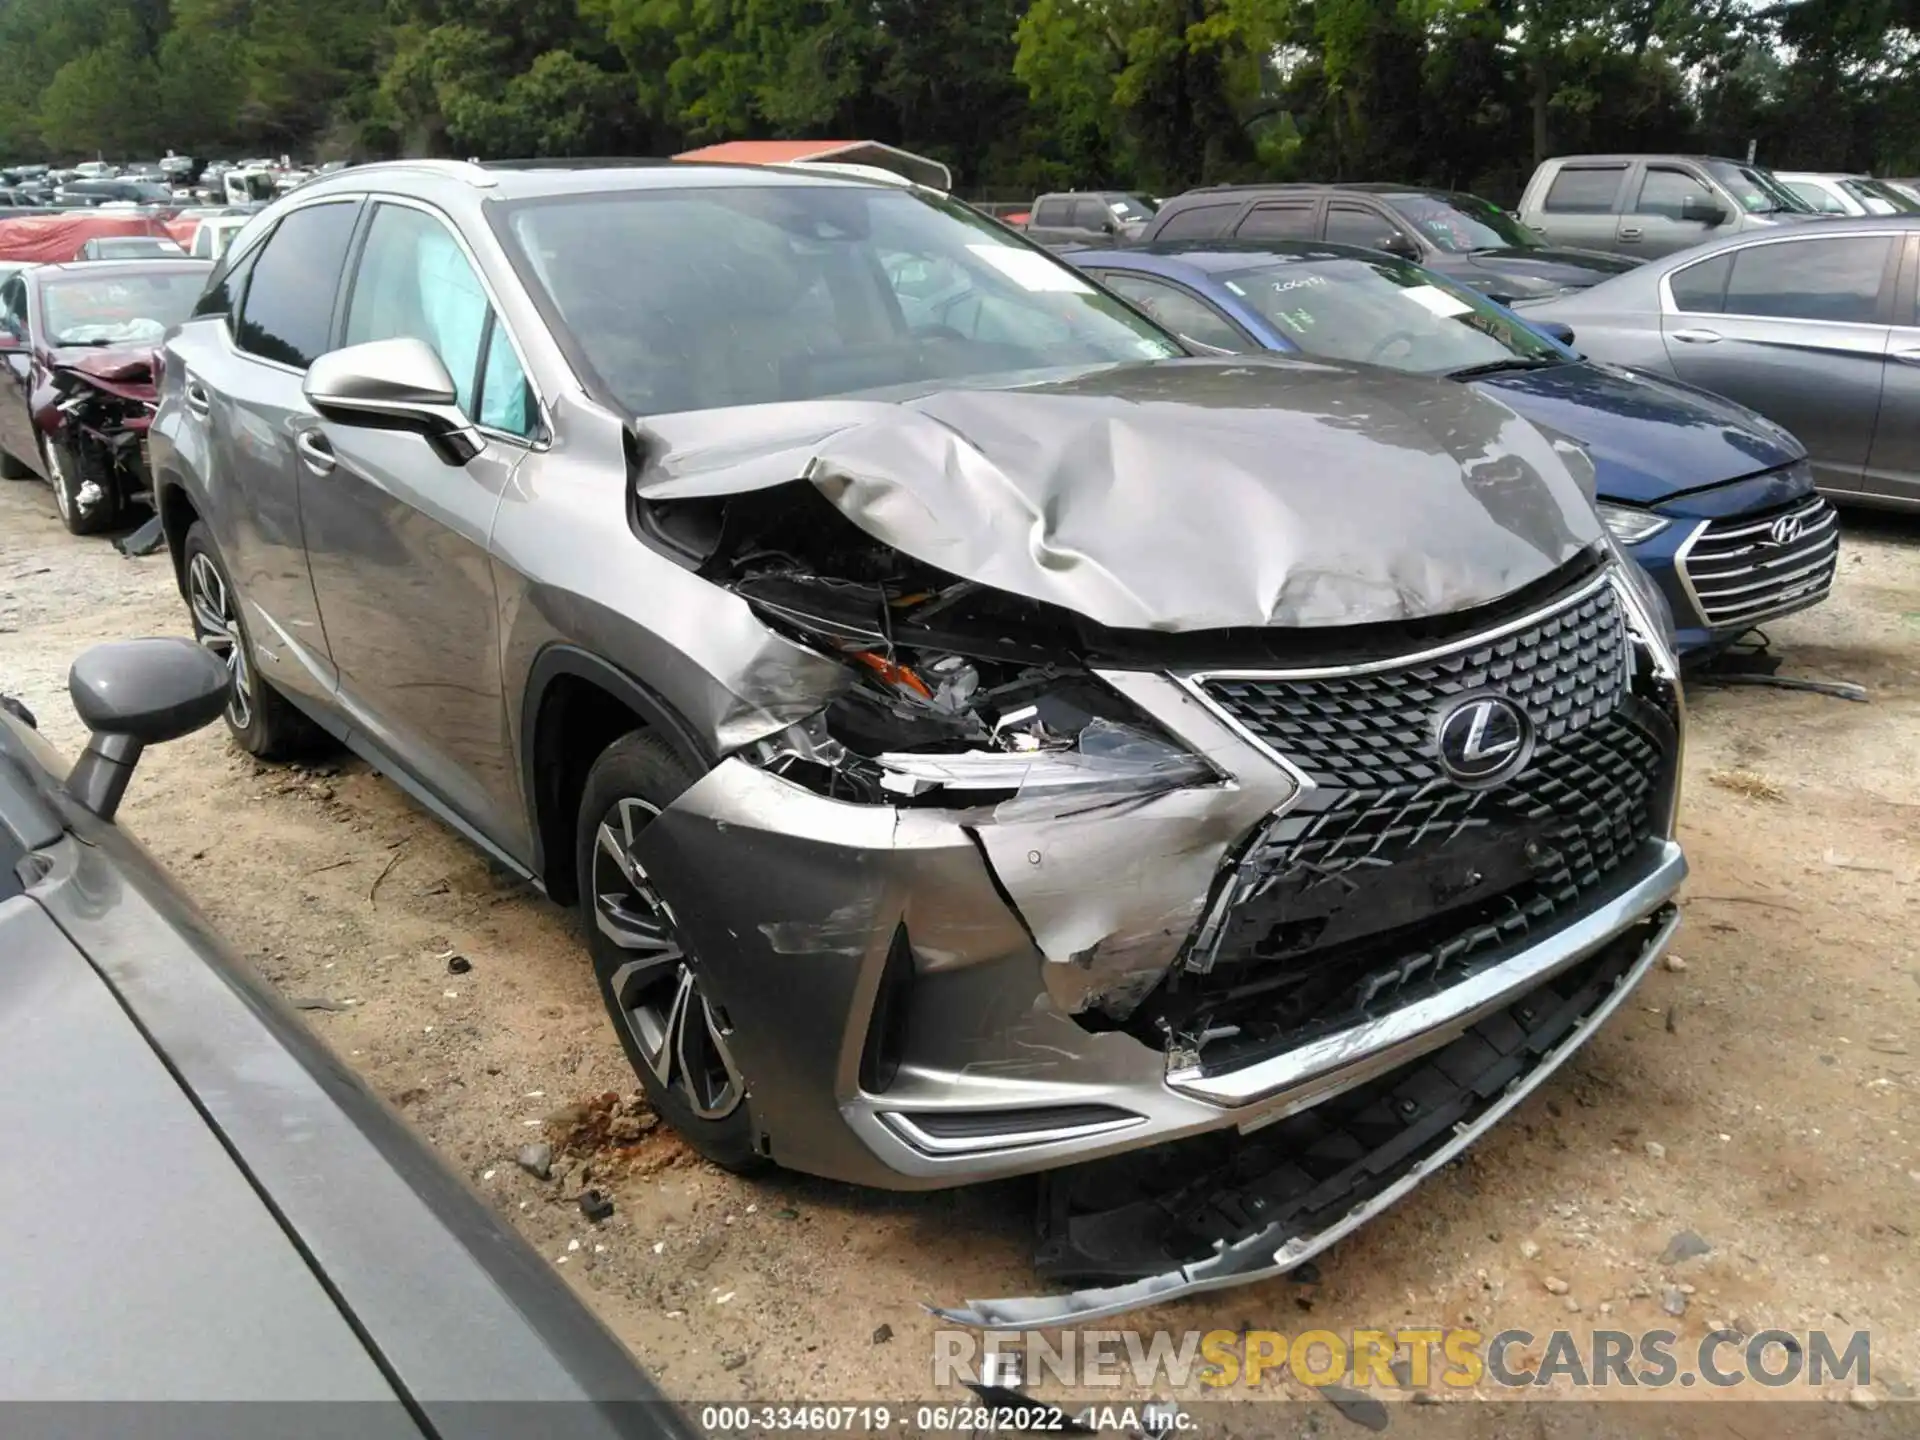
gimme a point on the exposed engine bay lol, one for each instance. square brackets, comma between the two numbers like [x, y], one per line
[959, 695]
[101, 409]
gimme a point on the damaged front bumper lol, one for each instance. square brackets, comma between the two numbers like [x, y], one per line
[1357, 1156]
[924, 997]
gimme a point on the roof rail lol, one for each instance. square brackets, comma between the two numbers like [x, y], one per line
[576, 162]
[852, 171]
[471, 171]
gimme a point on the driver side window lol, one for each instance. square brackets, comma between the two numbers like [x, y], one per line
[414, 282]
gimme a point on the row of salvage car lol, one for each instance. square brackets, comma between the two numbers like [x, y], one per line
[981, 732]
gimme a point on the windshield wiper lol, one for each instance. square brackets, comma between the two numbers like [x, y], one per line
[1502, 367]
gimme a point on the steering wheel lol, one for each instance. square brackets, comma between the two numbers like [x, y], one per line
[1399, 337]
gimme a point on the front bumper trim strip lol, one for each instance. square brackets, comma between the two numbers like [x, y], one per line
[1267, 1254]
[1380, 1045]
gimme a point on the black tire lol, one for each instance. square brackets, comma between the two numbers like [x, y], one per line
[68, 471]
[650, 983]
[12, 469]
[261, 720]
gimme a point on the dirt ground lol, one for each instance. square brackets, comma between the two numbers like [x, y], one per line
[1762, 1093]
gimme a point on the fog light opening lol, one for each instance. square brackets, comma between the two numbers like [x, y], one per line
[887, 1028]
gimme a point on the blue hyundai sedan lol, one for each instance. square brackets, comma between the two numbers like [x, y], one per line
[1714, 501]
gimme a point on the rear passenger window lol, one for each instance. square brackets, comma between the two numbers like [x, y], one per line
[1050, 212]
[1277, 222]
[287, 312]
[1702, 289]
[1835, 279]
[1664, 192]
[1585, 190]
[1200, 222]
[229, 286]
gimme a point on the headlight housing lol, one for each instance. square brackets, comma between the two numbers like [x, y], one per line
[1651, 614]
[1630, 526]
[922, 724]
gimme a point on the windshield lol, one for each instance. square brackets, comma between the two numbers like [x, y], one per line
[690, 299]
[1129, 207]
[1462, 224]
[1386, 312]
[118, 309]
[1758, 192]
[1880, 198]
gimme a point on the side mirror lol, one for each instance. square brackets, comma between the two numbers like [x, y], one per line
[1555, 330]
[1397, 243]
[1707, 212]
[393, 385]
[134, 693]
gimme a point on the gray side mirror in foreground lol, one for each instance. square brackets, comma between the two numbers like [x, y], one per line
[393, 385]
[131, 694]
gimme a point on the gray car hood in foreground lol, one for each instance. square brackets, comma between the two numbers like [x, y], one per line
[1178, 496]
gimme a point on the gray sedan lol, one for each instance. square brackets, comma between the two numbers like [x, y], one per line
[1815, 328]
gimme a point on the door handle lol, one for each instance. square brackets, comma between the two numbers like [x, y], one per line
[1697, 337]
[316, 453]
[1907, 354]
[1629, 232]
[196, 397]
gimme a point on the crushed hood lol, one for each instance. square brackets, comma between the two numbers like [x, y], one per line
[1176, 496]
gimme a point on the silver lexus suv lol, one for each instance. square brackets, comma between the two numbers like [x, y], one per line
[980, 736]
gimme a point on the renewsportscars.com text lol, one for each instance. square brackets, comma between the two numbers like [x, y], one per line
[1453, 1358]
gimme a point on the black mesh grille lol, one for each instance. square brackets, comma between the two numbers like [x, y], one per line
[1387, 880]
[1377, 730]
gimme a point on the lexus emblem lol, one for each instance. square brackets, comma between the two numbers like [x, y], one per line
[1483, 739]
[1786, 530]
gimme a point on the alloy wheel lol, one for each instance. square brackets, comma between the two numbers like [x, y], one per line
[57, 478]
[682, 1040]
[218, 628]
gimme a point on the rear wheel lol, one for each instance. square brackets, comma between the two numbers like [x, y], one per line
[262, 721]
[12, 469]
[88, 502]
[679, 1043]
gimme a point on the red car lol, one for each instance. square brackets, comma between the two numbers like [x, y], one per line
[78, 389]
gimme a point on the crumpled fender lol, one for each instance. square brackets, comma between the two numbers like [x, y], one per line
[1177, 496]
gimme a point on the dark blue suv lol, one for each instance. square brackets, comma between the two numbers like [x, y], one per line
[1716, 502]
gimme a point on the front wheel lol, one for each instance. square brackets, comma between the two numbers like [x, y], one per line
[88, 503]
[679, 1043]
